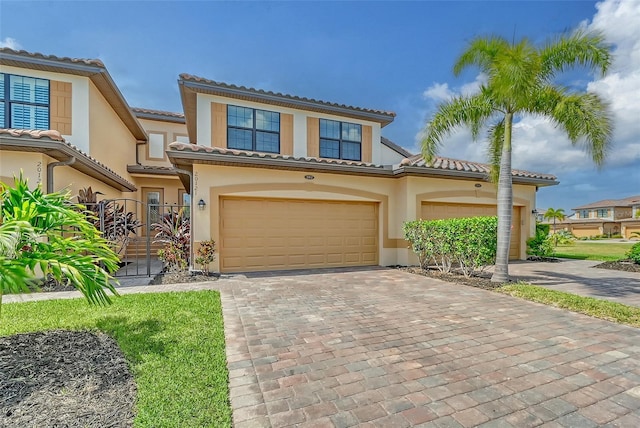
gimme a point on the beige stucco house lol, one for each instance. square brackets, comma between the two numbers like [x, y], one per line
[278, 181]
[607, 217]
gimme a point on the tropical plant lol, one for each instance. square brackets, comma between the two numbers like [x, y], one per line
[108, 216]
[45, 234]
[520, 81]
[540, 245]
[175, 232]
[634, 253]
[554, 214]
[205, 254]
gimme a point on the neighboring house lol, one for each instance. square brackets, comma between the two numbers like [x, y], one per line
[607, 217]
[278, 181]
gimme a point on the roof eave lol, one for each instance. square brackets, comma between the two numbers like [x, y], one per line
[139, 169]
[62, 152]
[246, 94]
[469, 175]
[96, 73]
[189, 158]
[159, 117]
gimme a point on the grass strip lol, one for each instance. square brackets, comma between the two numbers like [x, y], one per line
[174, 343]
[610, 311]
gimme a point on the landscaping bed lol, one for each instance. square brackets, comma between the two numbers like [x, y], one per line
[623, 265]
[64, 378]
[78, 363]
[182, 277]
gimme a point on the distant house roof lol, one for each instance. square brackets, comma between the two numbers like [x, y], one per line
[184, 155]
[191, 85]
[165, 116]
[94, 69]
[51, 143]
[462, 166]
[396, 148]
[607, 203]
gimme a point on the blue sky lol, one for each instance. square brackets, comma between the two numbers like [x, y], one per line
[387, 55]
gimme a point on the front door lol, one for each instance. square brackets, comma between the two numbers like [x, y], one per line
[154, 199]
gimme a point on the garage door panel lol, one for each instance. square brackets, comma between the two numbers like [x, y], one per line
[436, 210]
[264, 234]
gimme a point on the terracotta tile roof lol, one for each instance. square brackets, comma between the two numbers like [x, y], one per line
[66, 59]
[443, 163]
[55, 136]
[151, 169]
[624, 202]
[191, 78]
[393, 146]
[242, 153]
[94, 69]
[51, 134]
[145, 113]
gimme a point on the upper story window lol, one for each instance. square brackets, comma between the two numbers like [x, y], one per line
[156, 146]
[253, 129]
[584, 214]
[24, 102]
[340, 140]
[602, 213]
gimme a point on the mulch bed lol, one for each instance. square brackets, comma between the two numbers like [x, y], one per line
[479, 281]
[623, 265]
[182, 277]
[64, 379]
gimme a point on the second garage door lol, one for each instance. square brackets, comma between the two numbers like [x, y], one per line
[271, 234]
[436, 211]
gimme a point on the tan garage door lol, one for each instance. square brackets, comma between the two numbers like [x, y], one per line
[629, 229]
[585, 232]
[436, 211]
[271, 234]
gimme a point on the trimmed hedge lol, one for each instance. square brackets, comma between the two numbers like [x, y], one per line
[471, 243]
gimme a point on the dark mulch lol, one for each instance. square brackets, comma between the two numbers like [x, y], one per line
[623, 265]
[182, 277]
[64, 379]
[482, 280]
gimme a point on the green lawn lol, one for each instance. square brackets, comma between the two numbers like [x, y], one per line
[585, 250]
[609, 311]
[174, 343]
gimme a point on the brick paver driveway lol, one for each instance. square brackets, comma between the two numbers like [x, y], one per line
[385, 348]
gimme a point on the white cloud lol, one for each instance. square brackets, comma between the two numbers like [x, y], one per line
[438, 92]
[11, 43]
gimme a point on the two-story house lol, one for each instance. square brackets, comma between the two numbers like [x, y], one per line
[278, 181]
[606, 217]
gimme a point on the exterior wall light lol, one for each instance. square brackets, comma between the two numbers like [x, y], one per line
[534, 211]
[478, 185]
[309, 177]
[201, 204]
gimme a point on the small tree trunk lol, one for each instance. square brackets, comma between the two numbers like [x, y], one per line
[505, 206]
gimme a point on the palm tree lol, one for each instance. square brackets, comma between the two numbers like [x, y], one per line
[553, 214]
[47, 235]
[521, 81]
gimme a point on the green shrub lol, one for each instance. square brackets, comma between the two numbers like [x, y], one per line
[542, 228]
[616, 236]
[634, 253]
[469, 242]
[540, 245]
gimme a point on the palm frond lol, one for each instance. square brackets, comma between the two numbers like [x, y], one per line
[481, 52]
[462, 111]
[586, 49]
[586, 116]
[496, 140]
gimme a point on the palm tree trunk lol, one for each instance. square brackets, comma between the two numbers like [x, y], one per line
[505, 206]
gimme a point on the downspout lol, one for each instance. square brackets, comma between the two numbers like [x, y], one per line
[139, 143]
[192, 214]
[52, 165]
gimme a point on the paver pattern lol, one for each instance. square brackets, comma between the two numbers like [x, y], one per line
[580, 277]
[384, 348]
